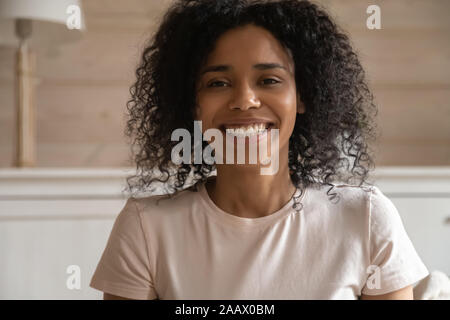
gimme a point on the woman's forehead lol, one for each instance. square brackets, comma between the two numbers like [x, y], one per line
[249, 45]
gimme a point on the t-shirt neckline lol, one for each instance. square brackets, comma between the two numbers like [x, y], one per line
[250, 223]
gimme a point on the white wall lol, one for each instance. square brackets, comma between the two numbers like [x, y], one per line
[50, 219]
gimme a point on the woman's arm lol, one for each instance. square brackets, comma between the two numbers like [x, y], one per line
[107, 296]
[402, 294]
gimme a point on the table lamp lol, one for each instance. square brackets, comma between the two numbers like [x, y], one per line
[25, 24]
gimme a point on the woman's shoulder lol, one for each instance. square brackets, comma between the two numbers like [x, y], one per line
[367, 198]
[345, 191]
[369, 193]
[357, 205]
[348, 199]
[166, 203]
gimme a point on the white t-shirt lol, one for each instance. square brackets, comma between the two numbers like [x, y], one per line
[186, 247]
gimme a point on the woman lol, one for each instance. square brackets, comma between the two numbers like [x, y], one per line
[309, 230]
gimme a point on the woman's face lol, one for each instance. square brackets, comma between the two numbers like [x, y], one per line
[256, 80]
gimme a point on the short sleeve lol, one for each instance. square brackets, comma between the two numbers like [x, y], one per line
[394, 262]
[123, 269]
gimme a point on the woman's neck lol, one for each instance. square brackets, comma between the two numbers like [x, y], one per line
[242, 191]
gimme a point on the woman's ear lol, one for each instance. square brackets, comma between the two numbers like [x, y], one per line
[300, 105]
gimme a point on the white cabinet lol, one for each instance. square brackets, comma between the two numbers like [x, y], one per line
[422, 197]
[427, 222]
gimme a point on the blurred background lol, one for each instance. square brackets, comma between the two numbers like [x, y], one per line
[82, 86]
[59, 197]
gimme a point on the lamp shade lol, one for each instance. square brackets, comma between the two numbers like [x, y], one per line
[49, 21]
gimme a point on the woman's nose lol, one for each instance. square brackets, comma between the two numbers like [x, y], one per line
[244, 98]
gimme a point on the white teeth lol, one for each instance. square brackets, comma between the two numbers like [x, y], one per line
[247, 130]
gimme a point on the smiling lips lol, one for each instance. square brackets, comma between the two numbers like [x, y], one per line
[250, 124]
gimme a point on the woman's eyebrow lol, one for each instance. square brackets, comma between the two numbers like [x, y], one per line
[259, 66]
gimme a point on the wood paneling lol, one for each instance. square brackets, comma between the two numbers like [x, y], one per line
[399, 57]
[400, 14]
[83, 154]
[414, 115]
[412, 154]
[83, 87]
[81, 114]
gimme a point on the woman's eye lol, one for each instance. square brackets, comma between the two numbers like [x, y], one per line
[211, 84]
[274, 81]
[221, 82]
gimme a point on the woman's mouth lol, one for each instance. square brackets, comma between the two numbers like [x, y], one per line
[244, 130]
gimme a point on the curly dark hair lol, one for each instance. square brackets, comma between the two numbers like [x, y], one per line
[329, 141]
